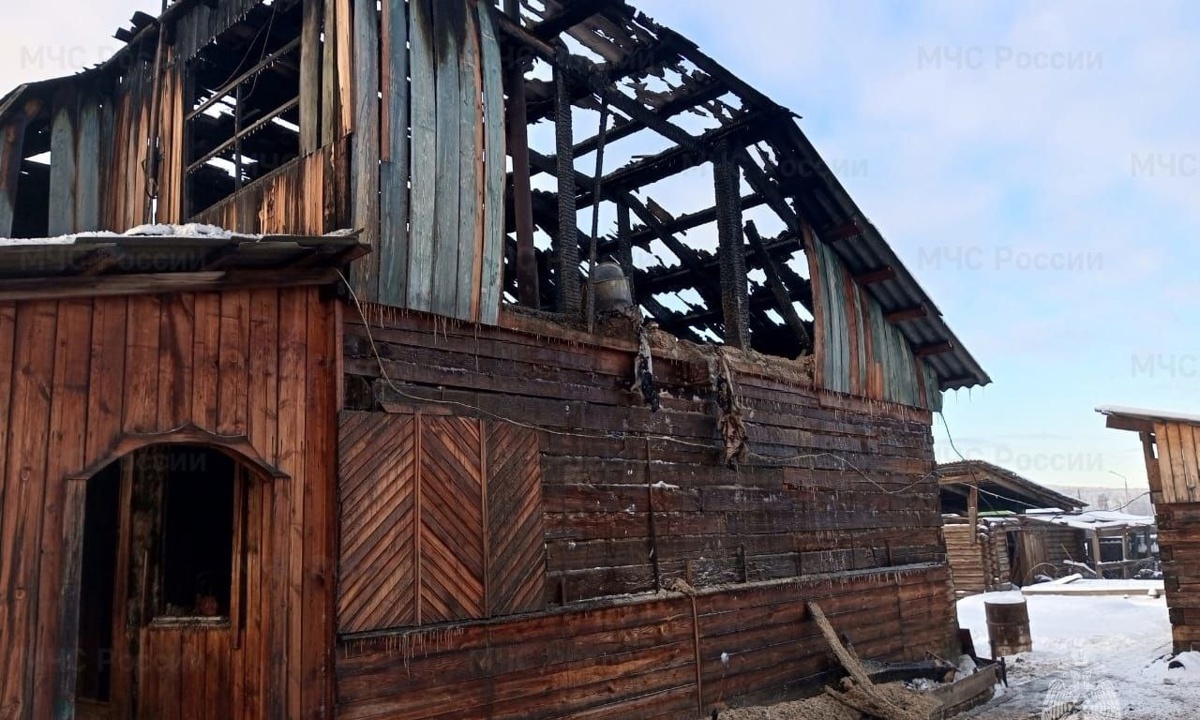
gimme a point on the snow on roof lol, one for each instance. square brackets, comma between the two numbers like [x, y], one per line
[1148, 414]
[190, 230]
[1092, 520]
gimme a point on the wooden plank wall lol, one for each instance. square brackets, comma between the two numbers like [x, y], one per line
[440, 249]
[307, 197]
[859, 352]
[441, 520]
[807, 512]
[1179, 548]
[635, 501]
[1174, 473]
[654, 658]
[77, 376]
[976, 565]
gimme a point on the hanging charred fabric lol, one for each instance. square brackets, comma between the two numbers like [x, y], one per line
[452, 485]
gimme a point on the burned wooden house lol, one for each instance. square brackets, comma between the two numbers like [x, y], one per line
[1171, 447]
[450, 418]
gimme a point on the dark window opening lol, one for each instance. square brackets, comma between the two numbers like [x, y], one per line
[243, 114]
[31, 214]
[197, 534]
[97, 585]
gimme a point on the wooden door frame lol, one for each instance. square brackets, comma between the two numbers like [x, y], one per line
[238, 448]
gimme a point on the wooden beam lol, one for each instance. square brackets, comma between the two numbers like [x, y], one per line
[566, 241]
[12, 143]
[933, 349]
[1120, 422]
[783, 298]
[912, 313]
[153, 283]
[567, 18]
[731, 252]
[702, 93]
[875, 276]
[850, 228]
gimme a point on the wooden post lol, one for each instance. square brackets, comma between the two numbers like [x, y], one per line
[567, 242]
[973, 512]
[528, 293]
[731, 250]
[625, 246]
[1096, 553]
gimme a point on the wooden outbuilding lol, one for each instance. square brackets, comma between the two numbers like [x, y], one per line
[251, 470]
[1171, 447]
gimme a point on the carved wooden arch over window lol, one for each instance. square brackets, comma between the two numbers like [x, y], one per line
[441, 520]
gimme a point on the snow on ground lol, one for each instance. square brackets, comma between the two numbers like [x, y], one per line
[1109, 655]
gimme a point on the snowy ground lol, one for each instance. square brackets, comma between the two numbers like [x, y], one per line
[1108, 655]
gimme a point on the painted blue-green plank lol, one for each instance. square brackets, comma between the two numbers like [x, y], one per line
[87, 189]
[394, 169]
[364, 180]
[448, 185]
[493, 169]
[62, 172]
[424, 155]
[470, 164]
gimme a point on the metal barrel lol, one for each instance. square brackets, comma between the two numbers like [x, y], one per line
[1008, 625]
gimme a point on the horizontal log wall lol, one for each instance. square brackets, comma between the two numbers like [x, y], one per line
[835, 487]
[1179, 547]
[81, 379]
[660, 657]
[850, 488]
[977, 563]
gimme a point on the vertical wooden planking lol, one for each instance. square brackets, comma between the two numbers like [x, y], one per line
[62, 169]
[345, 59]
[12, 144]
[331, 108]
[470, 159]
[424, 157]
[68, 420]
[234, 369]
[106, 397]
[448, 181]
[141, 364]
[1176, 490]
[310, 77]
[263, 418]
[820, 314]
[293, 401]
[364, 177]
[176, 338]
[494, 169]
[24, 485]
[394, 172]
[315, 656]
[8, 321]
[206, 349]
[194, 663]
[87, 188]
[1188, 485]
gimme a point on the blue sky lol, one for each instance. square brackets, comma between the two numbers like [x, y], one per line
[1035, 164]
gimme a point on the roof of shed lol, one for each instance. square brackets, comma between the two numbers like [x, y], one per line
[1142, 419]
[89, 261]
[1003, 483]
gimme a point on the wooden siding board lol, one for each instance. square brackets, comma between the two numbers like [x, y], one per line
[364, 180]
[494, 169]
[396, 151]
[20, 525]
[87, 171]
[425, 157]
[68, 420]
[470, 160]
[234, 352]
[62, 170]
[448, 178]
[12, 147]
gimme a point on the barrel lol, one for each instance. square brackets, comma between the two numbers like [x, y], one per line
[612, 287]
[1008, 623]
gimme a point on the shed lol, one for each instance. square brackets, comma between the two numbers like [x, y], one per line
[1171, 446]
